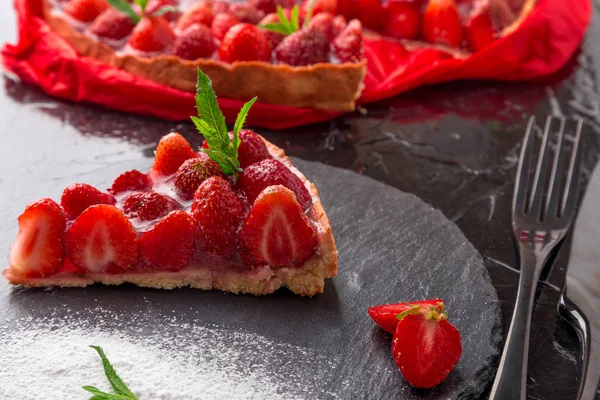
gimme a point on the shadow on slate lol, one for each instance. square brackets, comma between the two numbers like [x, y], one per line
[393, 247]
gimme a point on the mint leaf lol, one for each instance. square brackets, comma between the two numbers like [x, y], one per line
[309, 13]
[113, 378]
[295, 17]
[208, 108]
[288, 26]
[276, 28]
[142, 4]
[164, 9]
[239, 123]
[125, 8]
[100, 395]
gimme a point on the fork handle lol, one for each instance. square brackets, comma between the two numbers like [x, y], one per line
[511, 378]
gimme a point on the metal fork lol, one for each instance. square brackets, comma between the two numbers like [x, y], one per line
[538, 226]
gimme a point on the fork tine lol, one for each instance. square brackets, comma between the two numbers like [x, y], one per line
[553, 189]
[573, 176]
[522, 179]
[535, 205]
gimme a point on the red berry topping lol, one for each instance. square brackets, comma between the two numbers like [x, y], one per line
[328, 6]
[79, 196]
[252, 148]
[192, 173]
[339, 23]
[245, 42]
[169, 244]
[221, 23]
[323, 23]
[270, 6]
[220, 7]
[102, 239]
[263, 174]
[148, 206]
[274, 38]
[195, 42]
[246, 13]
[130, 181]
[218, 213]
[385, 315]
[197, 13]
[112, 24]
[348, 46]
[370, 13]
[152, 34]
[155, 6]
[479, 28]
[401, 20]
[441, 23]
[38, 249]
[86, 10]
[276, 231]
[426, 347]
[304, 47]
[171, 152]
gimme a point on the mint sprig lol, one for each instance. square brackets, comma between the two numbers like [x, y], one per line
[123, 392]
[285, 25]
[125, 7]
[210, 122]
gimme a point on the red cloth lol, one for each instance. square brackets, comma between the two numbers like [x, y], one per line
[542, 45]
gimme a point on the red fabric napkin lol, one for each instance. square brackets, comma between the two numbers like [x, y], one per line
[542, 45]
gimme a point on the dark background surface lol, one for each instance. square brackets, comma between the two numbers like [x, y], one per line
[453, 145]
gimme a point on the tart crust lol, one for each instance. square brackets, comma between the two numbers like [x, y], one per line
[307, 280]
[325, 86]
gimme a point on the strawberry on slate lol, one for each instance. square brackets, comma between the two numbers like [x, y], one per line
[323, 23]
[218, 213]
[270, 6]
[198, 13]
[38, 249]
[171, 152]
[86, 10]
[263, 174]
[479, 29]
[130, 181]
[402, 19]
[276, 231]
[385, 315]
[148, 206]
[221, 23]
[304, 47]
[195, 42]
[154, 6]
[79, 196]
[246, 13]
[169, 245]
[245, 42]
[102, 240]
[252, 148]
[349, 46]
[425, 346]
[152, 34]
[192, 173]
[274, 38]
[112, 24]
[441, 23]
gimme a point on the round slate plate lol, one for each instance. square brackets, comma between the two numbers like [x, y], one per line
[393, 247]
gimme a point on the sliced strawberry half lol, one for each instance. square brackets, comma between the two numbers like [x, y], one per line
[86, 10]
[171, 152]
[252, 148]
[276, 231]
[79, 196]
[218, 213]
[263, 174]
[386, 315]
[426, 347]
[192, 173]
[151, 35]
[102, 240]
[112, 24]
[169, 245]
[133, 180]
[38, 250]
[441, 23]
[148, 206]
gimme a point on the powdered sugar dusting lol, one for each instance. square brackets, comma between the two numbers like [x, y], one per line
[50, 357]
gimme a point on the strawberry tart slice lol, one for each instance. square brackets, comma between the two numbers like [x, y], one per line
[235, 216]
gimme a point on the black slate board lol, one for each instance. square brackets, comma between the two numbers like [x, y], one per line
[393, 247]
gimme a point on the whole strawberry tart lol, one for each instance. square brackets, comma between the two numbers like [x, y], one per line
[235, 216]
[269, 49]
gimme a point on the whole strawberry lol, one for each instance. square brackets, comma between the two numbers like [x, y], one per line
[402, 19]
[148, 206]
[274, 38]
[323, 23]
[154, 6]
[246, 13]
[132, 180]
[79, 196]
[479, 29]
[245, 42]
[441, 23]
[151, 35]
[195, 42]
[198, 13]
[305, 47]
[349, 46]
[221, 23]
[270, 6]
[86, 10]
[171, 152]
[252, 148]
[112, 24]
[192, 173]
